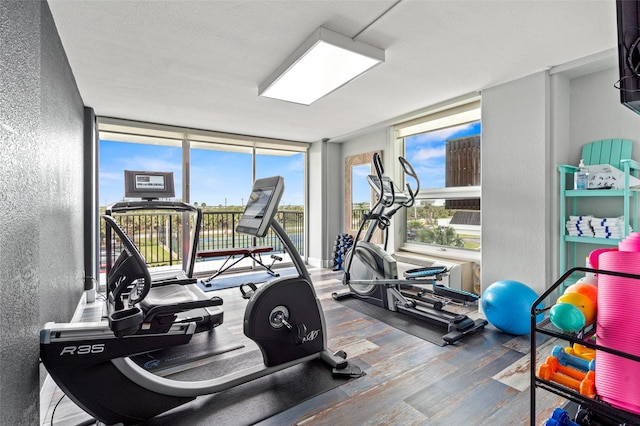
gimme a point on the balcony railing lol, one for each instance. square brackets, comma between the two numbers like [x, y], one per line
[159, 235]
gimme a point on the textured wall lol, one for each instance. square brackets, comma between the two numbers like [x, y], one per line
[515, 196]
[40, 198]
[61, 171]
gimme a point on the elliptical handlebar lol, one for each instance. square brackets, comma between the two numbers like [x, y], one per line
[409, 171]
[385, 201]
[377, 163]
[387, 193]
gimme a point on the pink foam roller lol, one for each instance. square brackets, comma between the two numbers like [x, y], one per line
[595, 254]
[630, 243]
[617, 378]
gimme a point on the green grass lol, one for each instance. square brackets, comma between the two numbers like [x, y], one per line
[154, 254]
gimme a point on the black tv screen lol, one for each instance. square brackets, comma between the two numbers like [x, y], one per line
[628, 13]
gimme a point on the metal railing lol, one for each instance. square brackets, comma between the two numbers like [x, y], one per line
[159, 235]
[356, 216]
[219, 232]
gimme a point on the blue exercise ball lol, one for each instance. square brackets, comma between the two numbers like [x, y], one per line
[507, 305]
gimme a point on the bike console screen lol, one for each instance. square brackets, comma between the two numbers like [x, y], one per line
[261, 206]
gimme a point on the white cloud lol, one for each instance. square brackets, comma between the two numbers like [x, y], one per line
[426, 154]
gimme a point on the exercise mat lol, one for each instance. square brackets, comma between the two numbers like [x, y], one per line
[254, 401]
[237, 280]
[421, 328]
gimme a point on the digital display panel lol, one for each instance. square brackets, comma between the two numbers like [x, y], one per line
[261, 206]
[258, 202]
[148, 185]
[154, 182]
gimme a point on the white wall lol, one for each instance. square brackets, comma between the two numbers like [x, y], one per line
[373, 141]
[326, 190]
[525, 122]
[325, 205]
[574, 111]
[596, 113]
[515, 189]
[376, 140]
[559, 152]
[530, 126]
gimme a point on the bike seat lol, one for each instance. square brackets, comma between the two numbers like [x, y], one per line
[164, 304]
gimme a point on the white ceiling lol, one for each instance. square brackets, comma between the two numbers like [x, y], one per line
[199, 63]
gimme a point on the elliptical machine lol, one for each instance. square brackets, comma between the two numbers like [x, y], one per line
[90, 361]
[372, 274]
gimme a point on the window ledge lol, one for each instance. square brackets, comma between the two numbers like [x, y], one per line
[440, 253]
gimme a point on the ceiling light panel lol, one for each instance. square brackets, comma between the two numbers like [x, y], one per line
[324, 62]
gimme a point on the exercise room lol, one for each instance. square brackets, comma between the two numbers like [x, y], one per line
[380, 212]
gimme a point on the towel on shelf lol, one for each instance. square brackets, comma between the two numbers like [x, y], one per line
[616, 228]
[609, 227]
[607, 221]
[579, 226]
[577, 218]
[580, 233]
[608, 235]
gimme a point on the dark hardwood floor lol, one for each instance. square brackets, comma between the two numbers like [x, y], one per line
[481, 380]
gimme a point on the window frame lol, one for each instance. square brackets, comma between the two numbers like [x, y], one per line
[129, 131]
[463, 111]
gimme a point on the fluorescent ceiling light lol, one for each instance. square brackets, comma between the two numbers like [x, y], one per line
[323, 63]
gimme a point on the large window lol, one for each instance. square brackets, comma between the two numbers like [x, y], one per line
[290, 165]
[214, 171]
[444, 149]
[117, 156]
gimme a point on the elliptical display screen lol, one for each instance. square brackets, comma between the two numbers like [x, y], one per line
[261, 206]
[386, 189]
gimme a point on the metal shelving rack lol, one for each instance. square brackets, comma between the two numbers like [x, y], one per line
[545, 327]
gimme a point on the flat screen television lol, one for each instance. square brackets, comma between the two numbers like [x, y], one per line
[628, 13]
[261, 206]
[148, 185]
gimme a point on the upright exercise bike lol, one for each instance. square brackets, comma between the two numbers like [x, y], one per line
[90, 361]
[372, 274]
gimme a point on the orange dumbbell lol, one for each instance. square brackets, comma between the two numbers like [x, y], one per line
[574, 379]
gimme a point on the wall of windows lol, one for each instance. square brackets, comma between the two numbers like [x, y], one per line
[116, 156]
[444, 148]
[214, 171]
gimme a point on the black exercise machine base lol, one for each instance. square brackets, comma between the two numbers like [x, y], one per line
[457, 326]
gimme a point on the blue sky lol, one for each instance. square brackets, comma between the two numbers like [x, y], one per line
[217, 177]
[426, 152]
[224, 178]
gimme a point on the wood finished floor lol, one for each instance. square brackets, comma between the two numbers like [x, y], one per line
[481, 380]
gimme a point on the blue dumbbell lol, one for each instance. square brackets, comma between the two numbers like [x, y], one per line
[573, 361]
[560, 418]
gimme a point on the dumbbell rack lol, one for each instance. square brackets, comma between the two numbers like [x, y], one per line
[545, 327]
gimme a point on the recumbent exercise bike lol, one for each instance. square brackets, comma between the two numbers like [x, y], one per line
[90, 361]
